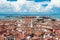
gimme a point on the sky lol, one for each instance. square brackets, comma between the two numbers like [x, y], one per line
[44, 6]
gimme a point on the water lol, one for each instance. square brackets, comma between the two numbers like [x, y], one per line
[54, 15]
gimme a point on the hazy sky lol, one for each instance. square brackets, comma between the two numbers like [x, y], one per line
[30, 6]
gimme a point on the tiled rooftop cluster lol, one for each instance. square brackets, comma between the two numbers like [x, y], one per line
[30, 28]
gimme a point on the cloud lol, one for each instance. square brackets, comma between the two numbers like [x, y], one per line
[53, 3]
[15, 6]
[28, 6]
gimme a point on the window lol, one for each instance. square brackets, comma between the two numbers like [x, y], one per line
[9, 38]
